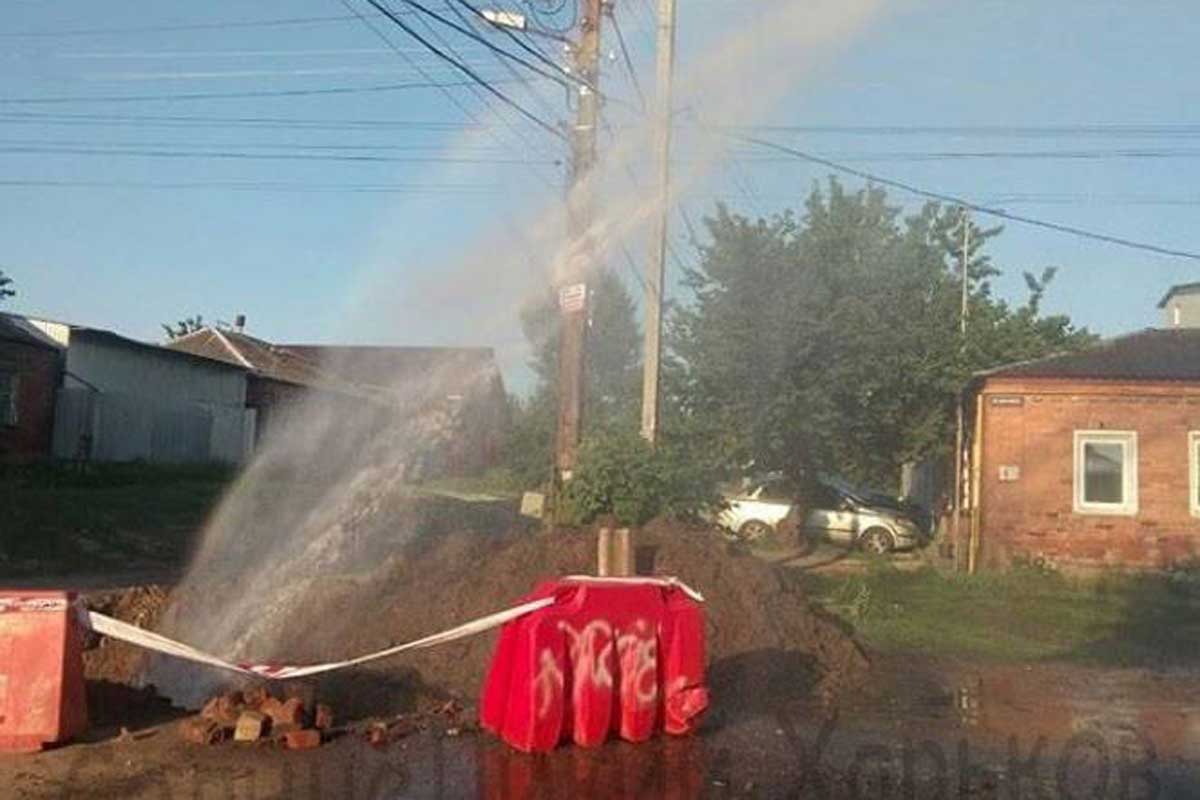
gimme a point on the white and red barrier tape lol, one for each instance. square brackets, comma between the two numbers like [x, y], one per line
[141, 637]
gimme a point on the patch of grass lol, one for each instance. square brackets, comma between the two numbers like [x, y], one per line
[56, 520]
[497, 482]
[1117, 620]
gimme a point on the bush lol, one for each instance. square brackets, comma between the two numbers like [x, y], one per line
[621, 475]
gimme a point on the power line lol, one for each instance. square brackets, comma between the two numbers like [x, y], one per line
[92, 143]
[538, 99]
[266, 23]
[1114, 129]
[454, 100]
[388, 87]
[637, 84]
[387, 12]
[538, 54]
[946, 198]
[499, 51]
[237, 155]
[257, 186]
[45, 118]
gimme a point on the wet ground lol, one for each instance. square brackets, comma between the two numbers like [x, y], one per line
[922, 729]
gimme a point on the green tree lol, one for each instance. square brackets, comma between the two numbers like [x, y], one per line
[831, 341]
[183, 327]
[6, 290]
[613, 376]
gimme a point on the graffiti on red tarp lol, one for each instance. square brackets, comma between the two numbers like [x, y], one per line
[556, 670]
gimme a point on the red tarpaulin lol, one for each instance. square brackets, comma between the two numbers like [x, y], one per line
[610, 656]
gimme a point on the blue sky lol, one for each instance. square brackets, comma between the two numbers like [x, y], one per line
[139, 228]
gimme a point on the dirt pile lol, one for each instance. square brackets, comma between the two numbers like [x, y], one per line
[765, 641]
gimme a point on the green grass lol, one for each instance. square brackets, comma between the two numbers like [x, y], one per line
[1023, 615]
[497, 482]
[54, 520]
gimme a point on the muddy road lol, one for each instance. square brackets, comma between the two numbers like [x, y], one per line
[921, 728]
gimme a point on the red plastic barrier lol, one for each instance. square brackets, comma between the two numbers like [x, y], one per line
[42, 699]
[607, 657]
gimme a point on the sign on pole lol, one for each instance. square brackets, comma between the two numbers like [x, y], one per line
[573, 297]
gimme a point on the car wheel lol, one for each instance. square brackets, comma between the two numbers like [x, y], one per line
[878, 541]
[754, 530]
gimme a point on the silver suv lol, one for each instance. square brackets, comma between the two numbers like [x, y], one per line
[833, 510]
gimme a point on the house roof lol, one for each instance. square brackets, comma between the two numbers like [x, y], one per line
[1154, 354]
[18, 329]
[365, 371]
[14, 327]
[1179, 288]
[459, 369]
[257, 356]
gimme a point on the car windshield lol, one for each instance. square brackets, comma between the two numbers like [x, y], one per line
[870, 497]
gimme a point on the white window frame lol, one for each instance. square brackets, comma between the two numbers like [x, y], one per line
[1194, 473]
[1128, 440]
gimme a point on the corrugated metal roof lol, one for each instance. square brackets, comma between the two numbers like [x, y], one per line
[262, 358]
[459, 369]
[14, 328]
[1179, 288]
[1154, 354]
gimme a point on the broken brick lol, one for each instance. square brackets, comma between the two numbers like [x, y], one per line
[200, 730]
[251, 726]
[284, 713]
[377, 734]
[323, 717]
[224, 709]
[305, 739]
[254, 697]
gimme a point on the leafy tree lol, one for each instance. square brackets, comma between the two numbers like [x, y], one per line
[831, 341]
[6, 289]
[613, 377]
[183, 327]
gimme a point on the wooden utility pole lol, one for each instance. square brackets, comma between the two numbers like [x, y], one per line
[572, 289]
[959, 436]
[656, 266]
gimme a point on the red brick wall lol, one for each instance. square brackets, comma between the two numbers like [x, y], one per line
[38, 371]
[1031, 425]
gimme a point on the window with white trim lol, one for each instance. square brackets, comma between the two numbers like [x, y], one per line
[1106, 472]
[1194, 469]
[8, 397]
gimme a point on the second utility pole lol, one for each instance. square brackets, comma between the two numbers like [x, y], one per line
[581, 251]
[655, 267]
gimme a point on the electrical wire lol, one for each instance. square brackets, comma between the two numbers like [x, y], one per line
[499, 51]
[178, 121]
[537, 97]
[258, 186]
[332, 90]
[266, 23]
[538, 54]
[454, 100]
[947, 198]
[508, 101]
[637, 84]
[239, 155]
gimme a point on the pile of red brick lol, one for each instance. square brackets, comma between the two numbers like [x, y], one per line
[254, 715]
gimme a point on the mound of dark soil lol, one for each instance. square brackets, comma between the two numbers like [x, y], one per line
[765, 641]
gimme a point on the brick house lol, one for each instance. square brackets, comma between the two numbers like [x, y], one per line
[1090, 459]
[30, 372]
